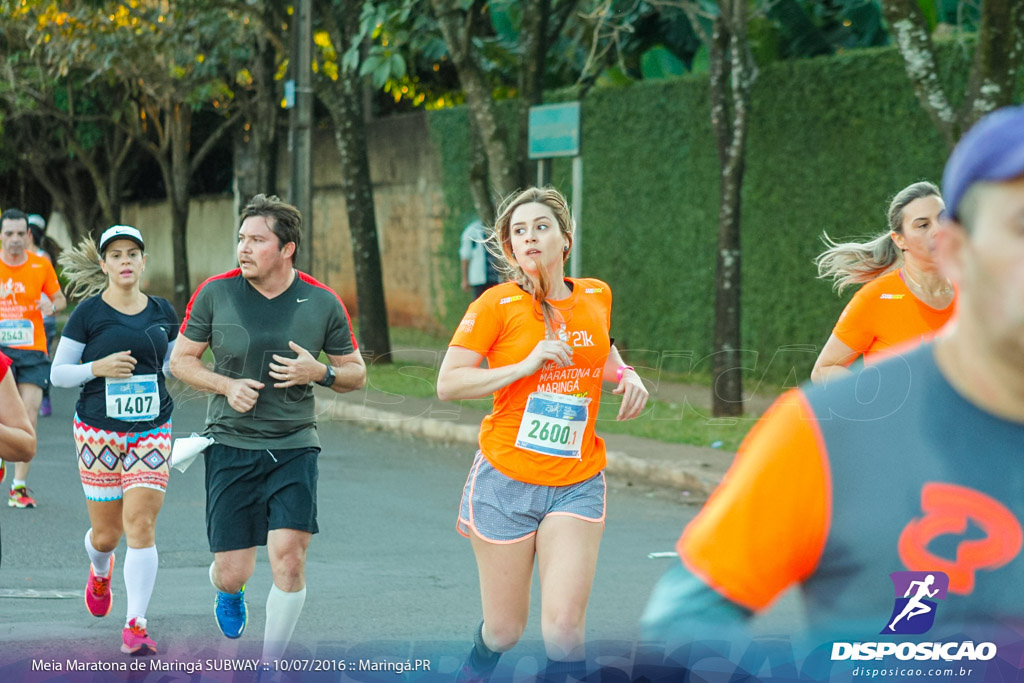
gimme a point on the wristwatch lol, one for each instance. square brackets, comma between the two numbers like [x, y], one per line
[328, 379]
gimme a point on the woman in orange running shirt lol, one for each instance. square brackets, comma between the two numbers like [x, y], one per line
[536, 489]
[905, 299]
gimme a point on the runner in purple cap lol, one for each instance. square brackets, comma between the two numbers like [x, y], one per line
[910, 465]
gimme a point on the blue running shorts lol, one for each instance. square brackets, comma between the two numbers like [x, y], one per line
[500, 509]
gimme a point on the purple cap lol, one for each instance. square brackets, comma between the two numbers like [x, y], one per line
[993, 150]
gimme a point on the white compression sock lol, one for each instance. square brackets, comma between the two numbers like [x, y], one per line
[100, 560]
[283, 611]
[140, 565]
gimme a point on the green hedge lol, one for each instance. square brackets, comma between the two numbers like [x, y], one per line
[831, 140]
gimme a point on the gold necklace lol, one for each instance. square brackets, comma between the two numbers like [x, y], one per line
[942, 292]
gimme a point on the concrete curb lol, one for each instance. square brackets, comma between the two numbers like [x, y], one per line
[650, 471]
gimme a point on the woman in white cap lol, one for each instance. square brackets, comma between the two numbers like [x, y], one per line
[116, 345]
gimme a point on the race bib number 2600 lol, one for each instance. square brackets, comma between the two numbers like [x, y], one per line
[553, 424]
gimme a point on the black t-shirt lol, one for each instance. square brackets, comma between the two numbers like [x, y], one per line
[244, 330]
[104, 331]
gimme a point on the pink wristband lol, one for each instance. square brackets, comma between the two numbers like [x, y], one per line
[622, 369]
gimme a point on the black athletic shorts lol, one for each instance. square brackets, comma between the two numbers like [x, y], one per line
[250, 492]
[30, 366]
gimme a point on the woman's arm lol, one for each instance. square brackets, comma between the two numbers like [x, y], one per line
[17, 437]
[462, 377]
[67, 369]
[166, 368]
[833, 361]
[630, 386]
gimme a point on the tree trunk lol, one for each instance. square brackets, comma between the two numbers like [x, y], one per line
[458, 37]
[66, 183]
[176, 176]
[344, 104]
[532, 59]
[107, 172]
[255, 149]
[997, 61]
[909, 30]
[478, 184]
[265, 127]
[732, 77]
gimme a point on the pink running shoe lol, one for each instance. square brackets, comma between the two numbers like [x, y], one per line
[98, 599]
[19, 498]
[135, 639]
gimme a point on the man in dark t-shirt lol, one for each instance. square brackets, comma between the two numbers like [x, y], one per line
[266, 324]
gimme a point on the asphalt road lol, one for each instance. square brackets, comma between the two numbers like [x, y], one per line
[387, 577]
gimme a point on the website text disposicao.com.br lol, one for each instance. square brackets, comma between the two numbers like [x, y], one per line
[959, 658]
[904, 672]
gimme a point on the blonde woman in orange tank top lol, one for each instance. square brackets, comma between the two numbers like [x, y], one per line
[905, 299]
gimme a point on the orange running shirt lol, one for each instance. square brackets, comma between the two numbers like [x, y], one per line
[884, 313]
[504, 325]
[20, 290]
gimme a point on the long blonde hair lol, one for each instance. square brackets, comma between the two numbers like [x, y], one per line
[849, 263]
[82, 269]
[499, 244]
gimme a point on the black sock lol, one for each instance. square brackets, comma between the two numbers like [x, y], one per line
[563, 672]
[482, 660]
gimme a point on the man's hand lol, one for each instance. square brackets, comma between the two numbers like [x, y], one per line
[242, 394]
[298, 371]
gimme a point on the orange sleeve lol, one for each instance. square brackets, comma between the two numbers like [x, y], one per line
[765, 526]
[50, 283]
[854, 325]
[479, 328]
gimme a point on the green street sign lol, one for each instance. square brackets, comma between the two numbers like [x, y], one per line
[554, 130]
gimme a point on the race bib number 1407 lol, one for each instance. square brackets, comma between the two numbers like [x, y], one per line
[133, 399]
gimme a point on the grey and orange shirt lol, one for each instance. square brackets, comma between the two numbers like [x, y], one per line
[841, 484]
[244, 330]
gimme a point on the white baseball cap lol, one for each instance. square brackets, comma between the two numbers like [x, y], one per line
[120, 232]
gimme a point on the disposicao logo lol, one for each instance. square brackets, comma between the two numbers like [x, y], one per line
[913, 614]
[916, 592]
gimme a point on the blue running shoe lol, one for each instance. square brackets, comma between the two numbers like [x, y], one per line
[230, 610]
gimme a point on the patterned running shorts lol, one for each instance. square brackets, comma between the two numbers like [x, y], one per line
[110, 463]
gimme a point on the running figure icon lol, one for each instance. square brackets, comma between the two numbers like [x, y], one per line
[915, 606]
